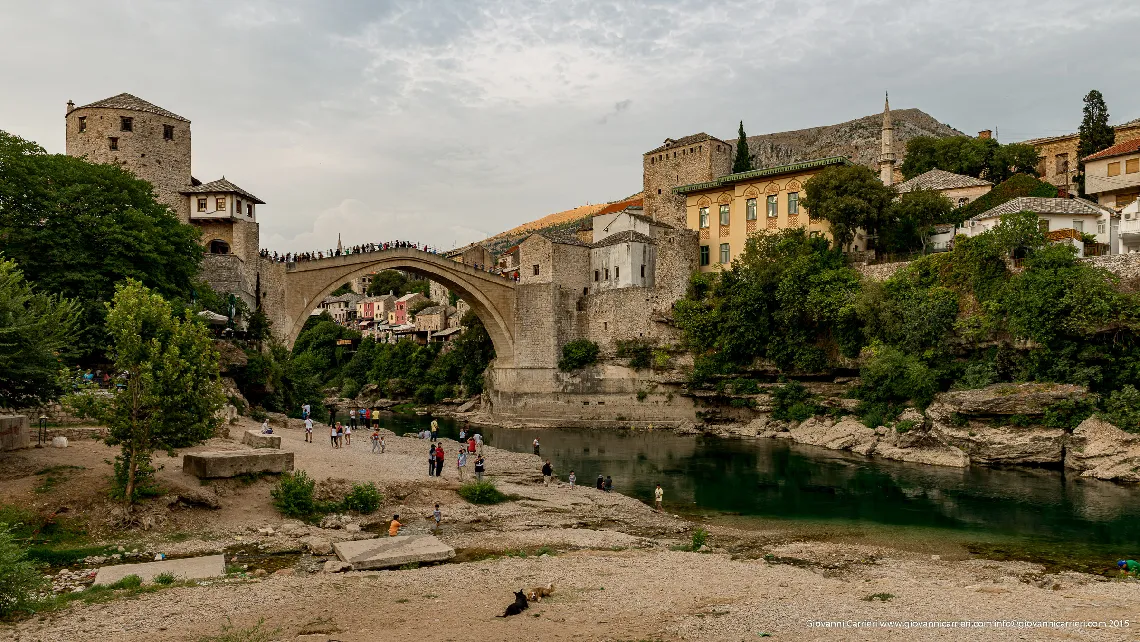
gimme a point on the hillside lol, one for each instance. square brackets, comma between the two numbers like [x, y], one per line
[504, 240]
[859, 139]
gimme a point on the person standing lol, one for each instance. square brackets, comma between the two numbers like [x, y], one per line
[332, 413]
[305, 411]
[381, 444]
[431, 460]
[470, 445]
[348, 435]
[657, 495]
[439, 459]
[375, 440]
[535, 444]
[366, 417]
[461, 462]
[462, 434]
[547, 473]
[479, 463]
[437, 515]
[434, 429]
[308, 430]
[375, 417]
[332, 436]
[479, 442]
[572, 479]
[394, 527]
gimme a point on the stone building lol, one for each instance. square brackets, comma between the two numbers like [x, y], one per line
[959, 189]
[401, 315]
[686, 160]
[1057, 155]
[434, 319]
[1112, 176]
[1064, 220]
[154, 144]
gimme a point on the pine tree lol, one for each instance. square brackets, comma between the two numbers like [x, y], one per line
[1095, 132]
[743, 160]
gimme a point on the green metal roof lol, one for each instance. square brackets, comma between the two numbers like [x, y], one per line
[761, 173]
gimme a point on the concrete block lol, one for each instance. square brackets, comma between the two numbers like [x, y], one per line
[386, 552]
[191, 568]
[15, 432]
[256, 439]
[231, 463]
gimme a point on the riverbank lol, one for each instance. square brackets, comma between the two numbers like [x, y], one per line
[610, 557]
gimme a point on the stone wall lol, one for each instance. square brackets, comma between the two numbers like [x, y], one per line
[676, 165]
[535, 333]
[227, 273]
[15, 432]
[1126, 266]
[536, 250]
[143, 151]
[880, 271]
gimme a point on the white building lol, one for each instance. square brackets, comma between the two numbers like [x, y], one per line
[623, 253]
[1128, 239]
[1062, 219]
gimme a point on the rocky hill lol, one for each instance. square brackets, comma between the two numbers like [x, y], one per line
[858, 139]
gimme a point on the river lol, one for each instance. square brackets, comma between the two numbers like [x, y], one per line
[755, 481]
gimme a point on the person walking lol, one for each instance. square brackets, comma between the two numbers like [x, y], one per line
[375, 440]
[657, 495]
[479, 464]
[535, 444]
[431, 461]
[609, 483]
[352, 418]
[479, 442]
[308, 430]
[572, 479]
[332, 413]
[434, 429]
[348, 435]
[394, 526]
[461, 462]
[470, 445]
[439, 459]
[547, 473]
[437, 516]
[332, 436]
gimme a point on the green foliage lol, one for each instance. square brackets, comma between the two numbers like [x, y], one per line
[128, 582]
[425, 394]
[791, 401]
[905, 426]
[577, 354]
[420, 306]
[875, 414]
[165, 579]
[1095, 134]
[638, 351]
[349, 388]
[1067, 414]
[345, 288]
[396, 283]
[1122, 409]
[37, 332]
[482, 492]
[363, 499]
[20, 580]
[977, 375]
[1014, 187]
[699, 538]
[849, 197]
[255, 633]
[889, 375]
[911, 220]
[742, 161]
[77, 229]
[293, 496]
[978, 157]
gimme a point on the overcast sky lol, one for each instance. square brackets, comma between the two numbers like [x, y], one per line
[449, 121]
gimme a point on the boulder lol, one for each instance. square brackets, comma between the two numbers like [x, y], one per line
[317, 545]
[847, 434]
[935, 455]
[230, 356]
[231, 463]
[387, 552]
[1100, 450]
[986, 444]
[192, 495]
[1011, 398]
[468, 406]
[255, 439]
[336, 566]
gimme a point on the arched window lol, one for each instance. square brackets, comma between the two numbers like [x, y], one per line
[218, 246]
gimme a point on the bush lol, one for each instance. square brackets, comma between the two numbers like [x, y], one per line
[977, 375]
[20, 579]
[444, 391]
[482, 492]
[128, 582]
[700, 538]
[425, 393]
[890, 375]
[792, 402]
[257, 413]
[165, 579]
[1122, 409]
[577, 354]
[639, 353]
[293, 495]
[363, 498]
[877, 414]
[1067, 414]
[349, 388]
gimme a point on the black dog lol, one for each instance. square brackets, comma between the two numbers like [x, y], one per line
[519, 606]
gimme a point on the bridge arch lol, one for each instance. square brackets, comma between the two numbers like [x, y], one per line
[490, 296]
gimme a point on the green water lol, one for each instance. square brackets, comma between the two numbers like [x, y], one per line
[767, 479]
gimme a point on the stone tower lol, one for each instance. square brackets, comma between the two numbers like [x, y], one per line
[887, 157]
[691, 159]
[149, 141]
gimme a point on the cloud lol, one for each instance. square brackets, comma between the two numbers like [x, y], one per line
[619, 107]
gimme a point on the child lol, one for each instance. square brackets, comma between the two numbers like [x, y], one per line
[375, 440]
[394, 527]
[657, 494]
[332, 436]
[461, 462]
[479, 468]
[437, 516]
[381, 444]
[348, 435]
[572, 479]
[309, 430]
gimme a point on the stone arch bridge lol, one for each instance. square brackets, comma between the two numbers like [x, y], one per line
[490, 296]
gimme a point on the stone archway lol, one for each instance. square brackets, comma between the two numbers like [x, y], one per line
[490, 296]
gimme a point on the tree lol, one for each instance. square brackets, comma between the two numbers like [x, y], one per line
[1017, 185]
[848, 197]
[1095, 133]
[743, 160]
[978, 157]
[77, 228]
[345, 288]
[36, 332]
[912, 219]
[172, 390]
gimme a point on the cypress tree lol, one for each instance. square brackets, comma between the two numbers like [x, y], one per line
[743, 160]
[1095, 132]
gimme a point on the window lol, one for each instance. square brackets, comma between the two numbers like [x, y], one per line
[536, 269]
[249, 209]
[704, 216]
[750, 209]
[793, 203]
[704, 255]
[607, 274]
[220, 204]
[201, 205]
[82, 123]
[126, 123]
[585, 291]
[1114, 169]
[1061, 164]
[772, 207]
[1079, 226]
[962, 201]
[1043, 224]
[724, 252]
[1132, 165]
[617, 273]
[643, 270]
[237, 207]
[114, 143]
[1125, 199]
[1100, 227]
[724, 214]
[168, 132]
[597, 275]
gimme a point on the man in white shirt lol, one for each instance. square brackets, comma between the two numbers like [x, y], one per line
[309, 429]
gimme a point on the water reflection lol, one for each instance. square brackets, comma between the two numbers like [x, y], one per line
[776, 479]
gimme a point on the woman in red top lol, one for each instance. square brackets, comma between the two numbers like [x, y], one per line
[471, 444]
[438, 461]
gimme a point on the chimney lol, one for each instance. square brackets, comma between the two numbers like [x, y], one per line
[70, 106]
[985, 134]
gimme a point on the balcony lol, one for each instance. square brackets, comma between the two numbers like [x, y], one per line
[218, 215]
[1130, 228]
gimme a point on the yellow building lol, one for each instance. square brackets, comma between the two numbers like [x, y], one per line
[727, 210]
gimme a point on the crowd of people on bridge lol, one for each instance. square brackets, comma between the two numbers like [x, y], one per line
[294, 257]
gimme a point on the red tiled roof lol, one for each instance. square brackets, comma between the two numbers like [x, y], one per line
[620, 205]
[1127, 147]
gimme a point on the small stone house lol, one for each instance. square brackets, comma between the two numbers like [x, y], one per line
[958, 188]
[1112, 175]
[433, 319]
[399, 315]
[1064, 220]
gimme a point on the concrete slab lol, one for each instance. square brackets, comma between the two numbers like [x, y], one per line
[231, 463]
[386, 552]
[256, 439]
[15, 432]
[190, 568]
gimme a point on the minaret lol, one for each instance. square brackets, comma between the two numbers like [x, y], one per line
[339, 247]
[887, 158]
